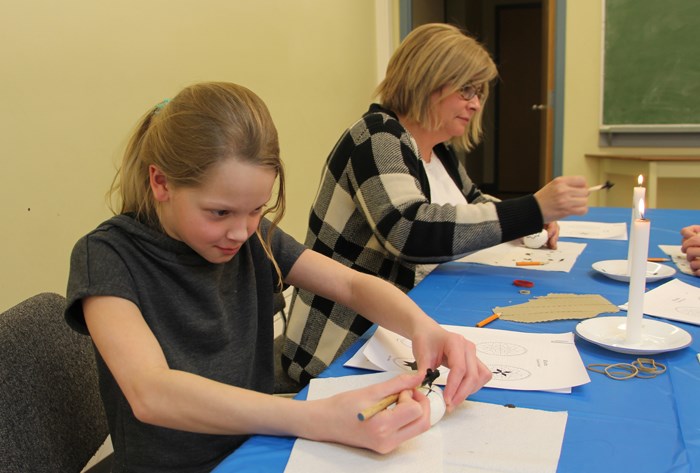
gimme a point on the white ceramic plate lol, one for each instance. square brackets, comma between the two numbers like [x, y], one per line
[610, 333]
[617, 269]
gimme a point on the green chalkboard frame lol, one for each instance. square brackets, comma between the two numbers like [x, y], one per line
[651, 66]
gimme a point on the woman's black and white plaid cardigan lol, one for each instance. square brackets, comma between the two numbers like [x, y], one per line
[373, 213]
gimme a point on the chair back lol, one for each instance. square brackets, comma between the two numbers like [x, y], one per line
[51, 415]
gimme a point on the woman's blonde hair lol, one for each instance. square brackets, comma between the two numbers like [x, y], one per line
[184, 137]
[432, 57]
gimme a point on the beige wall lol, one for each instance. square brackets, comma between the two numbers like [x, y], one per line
[77, 75]
[582, 112]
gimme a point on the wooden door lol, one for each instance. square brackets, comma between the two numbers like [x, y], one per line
[518, 94]
[547, 118]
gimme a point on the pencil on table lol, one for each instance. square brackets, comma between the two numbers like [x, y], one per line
[488, 320]
[657, 260]
[529, 263]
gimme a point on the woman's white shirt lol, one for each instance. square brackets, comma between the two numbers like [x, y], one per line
[443, 190]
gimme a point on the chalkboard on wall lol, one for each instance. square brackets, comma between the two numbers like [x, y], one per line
[651, 66]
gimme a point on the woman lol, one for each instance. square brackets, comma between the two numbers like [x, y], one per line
[393, 195]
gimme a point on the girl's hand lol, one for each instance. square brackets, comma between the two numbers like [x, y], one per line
[435, 346]
[337, 419]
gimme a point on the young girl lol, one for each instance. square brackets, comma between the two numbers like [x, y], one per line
[176, 292]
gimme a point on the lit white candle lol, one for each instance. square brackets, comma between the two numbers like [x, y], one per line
[638, 194]
[638, 277]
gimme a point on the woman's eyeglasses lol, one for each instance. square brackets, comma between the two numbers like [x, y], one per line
[470, 91]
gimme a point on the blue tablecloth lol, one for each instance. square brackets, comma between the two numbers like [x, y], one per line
[637, 425]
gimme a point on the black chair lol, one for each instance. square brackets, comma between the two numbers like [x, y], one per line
[51, 415]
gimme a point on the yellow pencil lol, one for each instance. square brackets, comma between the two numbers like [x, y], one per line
[378, 407]
[529, 263]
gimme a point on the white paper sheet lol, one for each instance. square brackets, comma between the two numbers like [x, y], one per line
[518, 360]
[674, 300]
[678, 257]
[359, 360]
[475, 437]
[509, 253]
[593, 230]
[417, 454]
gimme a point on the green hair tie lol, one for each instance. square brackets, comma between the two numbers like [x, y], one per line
[160, 106]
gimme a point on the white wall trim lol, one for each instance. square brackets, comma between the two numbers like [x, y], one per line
[384, 35]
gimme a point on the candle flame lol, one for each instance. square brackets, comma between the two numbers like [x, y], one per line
[641, 208]
[640, 180]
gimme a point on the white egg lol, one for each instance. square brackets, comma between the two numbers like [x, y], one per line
[437, 403]
[536, 240]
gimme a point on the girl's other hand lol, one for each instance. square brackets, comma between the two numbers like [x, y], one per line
[435, 346]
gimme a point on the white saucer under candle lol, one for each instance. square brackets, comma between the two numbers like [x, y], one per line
[633, 333]
[611, 333]
[617, 269]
